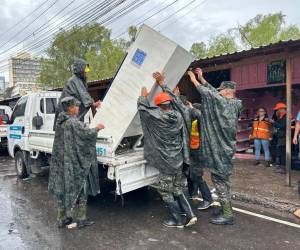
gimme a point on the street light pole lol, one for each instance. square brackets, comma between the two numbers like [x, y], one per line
[288, 120]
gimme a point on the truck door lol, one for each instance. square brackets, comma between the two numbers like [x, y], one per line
[17, 131]
[47, 108]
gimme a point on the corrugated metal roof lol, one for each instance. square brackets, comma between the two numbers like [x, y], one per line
[254, 51]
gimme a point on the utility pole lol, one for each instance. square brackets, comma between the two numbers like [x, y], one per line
[288, 120]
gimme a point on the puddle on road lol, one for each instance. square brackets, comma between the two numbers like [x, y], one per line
[9, 235]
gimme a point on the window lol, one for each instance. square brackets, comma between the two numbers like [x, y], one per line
[19, 110]
[276, 72]
[51, 105]
[42, 109]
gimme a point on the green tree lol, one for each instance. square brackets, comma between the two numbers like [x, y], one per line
[265, 29]
[105, 63]
[132, 33]
[221, 44]
[67, 45]
[199, 50]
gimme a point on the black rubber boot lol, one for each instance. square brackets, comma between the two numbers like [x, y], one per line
[175, 220]
[64, 222]
[191, 218]
[225, 217]
[84, 223]
[62, 219]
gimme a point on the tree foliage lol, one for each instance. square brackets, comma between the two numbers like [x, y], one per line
[258, 31]
[222, 44]
[265, 29]
[91, 42]
[105, 63]
[199, 50]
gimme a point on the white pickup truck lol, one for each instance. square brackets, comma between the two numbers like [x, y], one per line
[5, 114]
[31, 146]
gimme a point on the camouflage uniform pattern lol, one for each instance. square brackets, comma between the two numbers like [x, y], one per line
[218, 130]
[73, 166]
[218, 136]
[222, 188]
[77, 87]
[181, 108]
[169, 186]
[163, 147]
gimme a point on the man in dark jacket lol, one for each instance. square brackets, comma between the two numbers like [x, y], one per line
[164, 147]
[196, 168]
[77, 87]
[280, 125]
[220, 111]
[73, 165]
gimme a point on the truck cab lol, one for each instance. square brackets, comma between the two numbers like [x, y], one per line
[35, 111]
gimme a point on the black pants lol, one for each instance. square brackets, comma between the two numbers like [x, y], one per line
[282, 153]
[195, 181]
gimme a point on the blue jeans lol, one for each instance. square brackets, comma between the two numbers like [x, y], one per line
[266, 146]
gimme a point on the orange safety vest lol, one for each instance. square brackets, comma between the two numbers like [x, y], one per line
[195, 136]
[261, 130]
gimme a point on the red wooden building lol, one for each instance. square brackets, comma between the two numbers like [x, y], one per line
[260, 74]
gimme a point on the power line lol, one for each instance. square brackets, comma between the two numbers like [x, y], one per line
[24, 18]
[144, 14]
[177, 19]
[35, 32]
[122, 11]
[147, 18]
[170, 16]
[10, 39]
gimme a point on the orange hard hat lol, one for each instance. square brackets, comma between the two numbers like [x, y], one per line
[280, 105]
[161, 98]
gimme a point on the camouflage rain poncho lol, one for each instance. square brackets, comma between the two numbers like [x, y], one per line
[73, 161]
[76, 87]
[163, 132]
[218, 130]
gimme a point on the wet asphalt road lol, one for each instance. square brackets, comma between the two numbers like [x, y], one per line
[27, 221]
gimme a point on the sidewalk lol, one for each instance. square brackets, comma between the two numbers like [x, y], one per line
[261, 186]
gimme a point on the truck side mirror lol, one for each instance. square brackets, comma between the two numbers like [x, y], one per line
[37, 121]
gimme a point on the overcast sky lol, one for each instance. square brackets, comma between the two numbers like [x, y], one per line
[197, 22]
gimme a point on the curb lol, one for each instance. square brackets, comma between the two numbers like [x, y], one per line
[267, 202]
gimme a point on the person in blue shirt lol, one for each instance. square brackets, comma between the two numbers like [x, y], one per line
[297, 129]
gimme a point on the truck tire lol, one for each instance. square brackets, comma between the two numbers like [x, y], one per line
[20, 165]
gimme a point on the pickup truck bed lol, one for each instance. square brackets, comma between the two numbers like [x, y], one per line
[128, 168]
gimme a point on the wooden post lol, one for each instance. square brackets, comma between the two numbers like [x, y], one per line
[288, 120]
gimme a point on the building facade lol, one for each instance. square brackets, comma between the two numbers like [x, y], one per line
[2, 85]
[23, 69]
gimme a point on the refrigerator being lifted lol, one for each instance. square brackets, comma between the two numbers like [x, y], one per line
[119, 145]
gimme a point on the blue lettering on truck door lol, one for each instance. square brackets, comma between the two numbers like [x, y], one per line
[15, 132]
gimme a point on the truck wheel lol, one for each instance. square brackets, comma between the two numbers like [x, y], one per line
[20, 165]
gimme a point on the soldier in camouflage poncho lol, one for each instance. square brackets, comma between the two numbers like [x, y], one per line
[164, 147]
[77, 87]
[220, 111]
[73, 167]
